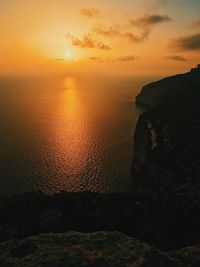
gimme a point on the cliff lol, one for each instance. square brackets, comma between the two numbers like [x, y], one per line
[161, 91]
[167, 144]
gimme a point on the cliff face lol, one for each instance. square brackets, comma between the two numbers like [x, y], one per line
[167, 143]
[159, 92]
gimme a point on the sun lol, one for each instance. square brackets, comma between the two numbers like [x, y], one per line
[68, 54]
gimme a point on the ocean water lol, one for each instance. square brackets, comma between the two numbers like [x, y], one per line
[67, 133]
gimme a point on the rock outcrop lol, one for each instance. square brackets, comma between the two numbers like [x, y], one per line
[187, 257]
[161, 91]
[74, 249]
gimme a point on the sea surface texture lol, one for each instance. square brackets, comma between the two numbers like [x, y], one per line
[67, 134]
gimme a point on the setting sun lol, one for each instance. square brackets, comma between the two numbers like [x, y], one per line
[68, 54]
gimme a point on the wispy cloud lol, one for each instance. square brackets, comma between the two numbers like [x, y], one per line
[88, 41]
[142, 24]
[137, 38]
[176, 58]
[129, 58]
[118, 31]
[90, 12]
[111, 31]
[149, 20]
[95, 58]
[190, 42]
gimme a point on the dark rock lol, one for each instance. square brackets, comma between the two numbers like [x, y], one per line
[188, 257]
[25, 248]
[159, 92]
[103, 249]
[166, 220]
[167, 145]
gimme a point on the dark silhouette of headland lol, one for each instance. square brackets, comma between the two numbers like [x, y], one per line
[161, 91]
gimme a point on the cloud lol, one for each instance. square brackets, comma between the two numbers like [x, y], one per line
[102, 59]
[125, 32]
[95, 58]
[102, 46]
[137, 38]
[150, 20]
[129, 58]
[110, 31]
[88, 41]
[190, 42]
[90, 12]
[117, 31]
[143, 23]
[176, 58]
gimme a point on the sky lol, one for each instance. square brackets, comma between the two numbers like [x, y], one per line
[123, 37]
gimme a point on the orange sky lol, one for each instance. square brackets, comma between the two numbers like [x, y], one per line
[132, 37]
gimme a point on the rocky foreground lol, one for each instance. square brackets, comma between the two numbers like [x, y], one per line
[167, 221]
[103, 249]
[157, 225]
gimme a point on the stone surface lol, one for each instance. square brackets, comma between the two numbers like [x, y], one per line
[187, 257]
[102, 249]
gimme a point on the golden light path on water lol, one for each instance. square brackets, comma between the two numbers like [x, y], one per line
[67, 134]
[75, 140]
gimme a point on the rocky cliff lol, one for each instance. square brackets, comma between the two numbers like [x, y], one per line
[167, 143]
[159, 92]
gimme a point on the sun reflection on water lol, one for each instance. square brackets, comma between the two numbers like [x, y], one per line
[75, 139]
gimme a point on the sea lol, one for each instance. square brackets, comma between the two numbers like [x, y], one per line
[67, 133]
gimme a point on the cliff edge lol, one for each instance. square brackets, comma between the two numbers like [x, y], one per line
[161, 91]
[167, 141]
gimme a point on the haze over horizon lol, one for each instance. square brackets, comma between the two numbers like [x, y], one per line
[135, 37]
